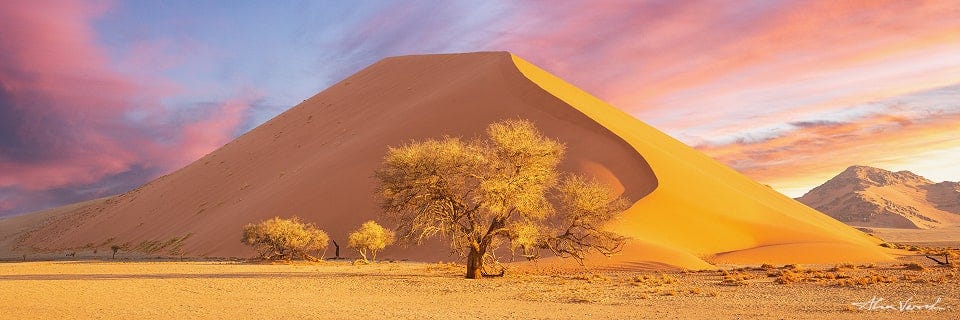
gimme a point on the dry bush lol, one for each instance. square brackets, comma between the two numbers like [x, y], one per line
[736, 278]
[912, 277]
[767, 266]
[284, 239]
[695, 291]
[913, 266]
[652, 280]
[845, 266]
[444, 266]
[794, 267]
[590, 277]
[790, 276]
[370, 238]
[866, 280]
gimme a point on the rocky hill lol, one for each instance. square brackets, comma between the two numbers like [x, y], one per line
[872, 197]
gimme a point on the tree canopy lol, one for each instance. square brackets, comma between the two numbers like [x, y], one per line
[284, 239]
[370, 238]
[504, 187]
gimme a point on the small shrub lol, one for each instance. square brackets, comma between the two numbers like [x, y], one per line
[370, 238]
[284, 239]
[914, 266]
[794, 267]
[845, 266]
[115, 249]
[789, 276]
[652, 281]
[867, 280]
[736, 279]
[592, 277]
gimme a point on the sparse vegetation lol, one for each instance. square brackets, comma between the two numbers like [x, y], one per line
[370, 238]
[284, 239]
[736, 278]
[790, 276]
[914, 266]
[652, 280]
[505, 188]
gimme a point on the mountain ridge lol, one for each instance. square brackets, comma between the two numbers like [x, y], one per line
[866, 196]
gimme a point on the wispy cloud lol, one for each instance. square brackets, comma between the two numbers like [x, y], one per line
[786, 91]
[901, 137]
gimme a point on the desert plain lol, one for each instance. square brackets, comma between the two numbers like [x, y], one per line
[168, 289]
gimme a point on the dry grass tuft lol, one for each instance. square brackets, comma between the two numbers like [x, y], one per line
[789, 276]
[914, 266]
[445, 266]
[845, 266]
[870, 279]
[652, 280]
[736, 279]
[794, 267]
[591, 278]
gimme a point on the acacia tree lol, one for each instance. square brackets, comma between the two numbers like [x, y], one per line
[501, 188]
[284, 239]
[370, 238]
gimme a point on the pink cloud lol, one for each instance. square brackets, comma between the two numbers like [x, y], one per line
[710, 71]
[69, 117]
[203, 136]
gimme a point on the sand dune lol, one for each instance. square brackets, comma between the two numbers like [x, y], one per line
[316, 161]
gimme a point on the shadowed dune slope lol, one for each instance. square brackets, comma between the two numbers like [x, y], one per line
[316, 161]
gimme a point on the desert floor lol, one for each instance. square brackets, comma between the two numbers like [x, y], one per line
[340, 290]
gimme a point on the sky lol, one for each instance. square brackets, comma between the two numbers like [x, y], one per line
[98, 97]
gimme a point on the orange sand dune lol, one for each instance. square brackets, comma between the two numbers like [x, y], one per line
[316, 161]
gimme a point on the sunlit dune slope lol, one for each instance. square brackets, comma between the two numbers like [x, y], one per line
[705, 209]
[316, 161]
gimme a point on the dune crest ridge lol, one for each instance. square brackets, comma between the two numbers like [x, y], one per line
[316, 161]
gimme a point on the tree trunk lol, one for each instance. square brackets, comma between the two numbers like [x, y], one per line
[363, 254]
[474, 264]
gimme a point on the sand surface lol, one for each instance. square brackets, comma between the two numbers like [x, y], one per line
[939, 237]
[227, 290]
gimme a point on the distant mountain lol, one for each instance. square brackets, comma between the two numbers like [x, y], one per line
[871, 197]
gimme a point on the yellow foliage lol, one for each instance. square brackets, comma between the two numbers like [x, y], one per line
[371, 237]
[284, 239]
[494, 189]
